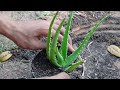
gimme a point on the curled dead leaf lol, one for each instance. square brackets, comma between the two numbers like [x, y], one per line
[4, 56]
[114, 50]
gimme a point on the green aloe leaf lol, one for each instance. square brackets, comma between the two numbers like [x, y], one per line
[70, 59]
[49, 36]
[54, 43]
[59, 58]
[64, 45]
[73, 66]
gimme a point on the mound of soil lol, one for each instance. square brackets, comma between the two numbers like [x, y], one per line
[42, 67]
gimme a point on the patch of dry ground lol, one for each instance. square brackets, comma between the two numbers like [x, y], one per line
[20, 66]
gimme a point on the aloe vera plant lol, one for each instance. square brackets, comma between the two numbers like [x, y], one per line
[58, 56]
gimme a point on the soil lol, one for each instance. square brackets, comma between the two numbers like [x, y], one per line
[19, 65]
[41, 66]
[100, 64]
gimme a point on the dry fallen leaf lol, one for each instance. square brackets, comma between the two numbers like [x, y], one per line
[4, 56]
[114, 50]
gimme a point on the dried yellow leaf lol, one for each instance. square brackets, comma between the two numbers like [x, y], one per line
[5, 56]
[114, 50]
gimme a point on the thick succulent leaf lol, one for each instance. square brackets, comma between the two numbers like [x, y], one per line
[64, 45]
[49, 36]
[70, 59]
[55, 38]
[54, 43]
[73, 66]
[53, 59]
[59, 58]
